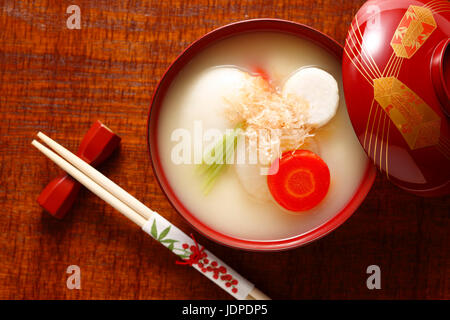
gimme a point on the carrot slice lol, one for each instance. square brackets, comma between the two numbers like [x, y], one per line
[301, 182]
[261, 72]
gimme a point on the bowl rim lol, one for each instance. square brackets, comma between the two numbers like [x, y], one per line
[218, 34]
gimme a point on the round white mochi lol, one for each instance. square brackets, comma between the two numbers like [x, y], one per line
[319, 89]
[208, 93]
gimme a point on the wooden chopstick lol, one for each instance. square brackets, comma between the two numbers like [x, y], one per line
[107, 190]
[98, 177]
[91, 185]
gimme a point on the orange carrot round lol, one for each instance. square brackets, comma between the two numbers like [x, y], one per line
[301, 182]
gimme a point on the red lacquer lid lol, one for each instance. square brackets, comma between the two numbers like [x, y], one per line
[396, 77]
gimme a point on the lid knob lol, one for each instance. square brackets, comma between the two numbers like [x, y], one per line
[440, 73]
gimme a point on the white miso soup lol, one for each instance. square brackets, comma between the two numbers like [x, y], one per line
[194, 104]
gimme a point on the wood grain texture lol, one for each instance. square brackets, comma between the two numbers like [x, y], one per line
[59, 81]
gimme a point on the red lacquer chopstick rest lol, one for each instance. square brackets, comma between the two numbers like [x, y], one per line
[97, 145]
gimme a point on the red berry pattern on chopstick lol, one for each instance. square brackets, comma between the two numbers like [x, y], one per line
[195, 255]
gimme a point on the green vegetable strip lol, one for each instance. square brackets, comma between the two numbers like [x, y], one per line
[207, 167]
[223, 152]
[217, 168]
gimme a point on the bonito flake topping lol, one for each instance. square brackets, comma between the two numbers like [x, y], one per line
[277, 122]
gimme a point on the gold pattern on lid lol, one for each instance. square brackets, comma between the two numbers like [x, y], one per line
[438, 6]
[415, 120]
[413, 30]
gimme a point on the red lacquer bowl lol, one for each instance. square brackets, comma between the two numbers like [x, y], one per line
[396, 73]
[272, 25]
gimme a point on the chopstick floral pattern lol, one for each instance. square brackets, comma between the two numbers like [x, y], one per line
[162, 236]
[194, 255]
[149, 220]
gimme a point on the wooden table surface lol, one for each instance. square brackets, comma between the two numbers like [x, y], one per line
[60, 81]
